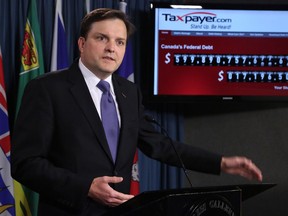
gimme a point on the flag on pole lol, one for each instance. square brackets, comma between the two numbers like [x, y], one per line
[31, 58]
[126, 70]
[7, 202]
[26, 201]
[59, 59]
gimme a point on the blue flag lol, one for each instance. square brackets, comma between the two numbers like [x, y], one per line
[126, 69]
[59, 59]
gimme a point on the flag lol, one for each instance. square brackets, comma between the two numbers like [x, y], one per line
[59, 58]
[7, 202]
[135, 180]
[126, 70]
[26, 201]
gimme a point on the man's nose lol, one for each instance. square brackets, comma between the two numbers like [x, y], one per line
[110, 46]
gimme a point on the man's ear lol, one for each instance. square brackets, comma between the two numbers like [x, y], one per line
[81, 43]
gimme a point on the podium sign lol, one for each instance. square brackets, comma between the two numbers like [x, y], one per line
[216, 203]
[208, 201]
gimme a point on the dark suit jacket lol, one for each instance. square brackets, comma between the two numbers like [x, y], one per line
[59, 146]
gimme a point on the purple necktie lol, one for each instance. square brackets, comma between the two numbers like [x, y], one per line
[109, 117]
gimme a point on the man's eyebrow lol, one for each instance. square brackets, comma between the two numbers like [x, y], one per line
[105, 35]
[124, 39]
[99, 33]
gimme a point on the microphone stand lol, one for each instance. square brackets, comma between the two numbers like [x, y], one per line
[152, 120]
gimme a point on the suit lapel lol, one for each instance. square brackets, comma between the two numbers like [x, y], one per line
[123, 100]
[81, 94]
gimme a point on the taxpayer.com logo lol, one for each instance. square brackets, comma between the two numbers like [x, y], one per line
[196, 17]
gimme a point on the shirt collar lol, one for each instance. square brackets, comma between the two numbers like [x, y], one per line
[91, 79]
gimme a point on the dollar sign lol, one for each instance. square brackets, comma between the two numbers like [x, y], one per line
[220, 78]
[167, 58]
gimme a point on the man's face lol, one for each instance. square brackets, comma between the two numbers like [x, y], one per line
[104, 47]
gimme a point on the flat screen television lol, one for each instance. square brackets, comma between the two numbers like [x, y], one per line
[219, 51]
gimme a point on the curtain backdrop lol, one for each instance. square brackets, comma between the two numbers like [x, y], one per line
[154, 175]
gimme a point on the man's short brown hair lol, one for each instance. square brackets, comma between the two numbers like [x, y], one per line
[104, 14]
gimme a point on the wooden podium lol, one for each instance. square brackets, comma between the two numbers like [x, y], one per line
[202, 201]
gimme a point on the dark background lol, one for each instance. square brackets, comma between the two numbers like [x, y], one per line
[257, 130]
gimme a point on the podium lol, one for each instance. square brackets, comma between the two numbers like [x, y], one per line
[200, 201]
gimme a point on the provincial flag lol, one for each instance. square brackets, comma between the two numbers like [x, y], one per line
[7, 202]
[26, 201]
[126, 70]
[59, 59]
[32, 57]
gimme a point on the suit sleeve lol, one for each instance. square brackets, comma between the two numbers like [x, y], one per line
[159, 147]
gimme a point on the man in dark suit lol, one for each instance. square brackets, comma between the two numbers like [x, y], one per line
[59, 146]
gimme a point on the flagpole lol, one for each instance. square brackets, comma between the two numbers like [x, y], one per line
[88, 6]
[122, 6]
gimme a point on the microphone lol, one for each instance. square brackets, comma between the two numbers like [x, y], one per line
[152, 120]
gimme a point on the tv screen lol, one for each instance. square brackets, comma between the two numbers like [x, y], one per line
[220, 50]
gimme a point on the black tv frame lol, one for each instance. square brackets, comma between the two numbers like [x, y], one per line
[151, 98]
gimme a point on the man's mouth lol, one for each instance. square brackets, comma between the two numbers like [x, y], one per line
[108, 58]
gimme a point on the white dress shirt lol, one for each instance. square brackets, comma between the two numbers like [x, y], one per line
[91, 81]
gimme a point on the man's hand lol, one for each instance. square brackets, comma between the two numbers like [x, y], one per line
[101, 191]
[241, 166]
